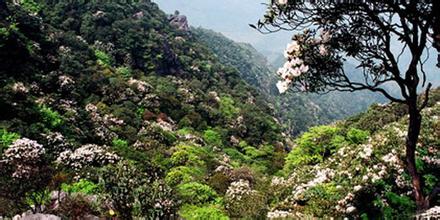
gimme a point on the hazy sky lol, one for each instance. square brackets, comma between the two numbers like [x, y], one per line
[232, 18]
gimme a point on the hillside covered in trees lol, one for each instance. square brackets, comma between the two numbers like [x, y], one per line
[309, 109]
[109, 110]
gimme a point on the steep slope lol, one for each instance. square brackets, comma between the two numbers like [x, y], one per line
[356, 167]
[297, 112]
[110, 103]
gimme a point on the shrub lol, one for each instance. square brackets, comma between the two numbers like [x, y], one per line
[188, 155]
[220, 182]
[321, 199]
[82, 186]
[357, 136]
[50, 117]
[181, 174]
[196, 193]
[103, 58]
[122, 182]
[6, 139]
[401, 207]
[212, 137]
[208, 212]
[243, 202]
[119, 143]
[74, 207]
[123, 71]
[313, 146]
[30, 6]
[227, 107]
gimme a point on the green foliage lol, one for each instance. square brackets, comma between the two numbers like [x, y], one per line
[357, 136]
[213, 137]
[123, 71]
[6, 139]
[313, 146]
[50, 117]
[206, 212]
[38, 199]
[103, 58]
[196, 193]
[251, 205]
[399, 206]
[227, 107]
[82, 186]
[181, 174]
[188, 155]
[30, 6]
[119, 143]
[321, 199]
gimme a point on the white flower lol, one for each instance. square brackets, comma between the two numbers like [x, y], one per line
[326, 36]
[19, 87]
[303, 68]
[291, 48]
[282, 2]
[323, 50]
[282, 86]
[295, 61]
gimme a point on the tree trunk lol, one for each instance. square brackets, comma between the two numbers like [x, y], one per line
[415, 121]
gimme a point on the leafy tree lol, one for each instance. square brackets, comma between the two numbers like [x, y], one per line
[362, 32]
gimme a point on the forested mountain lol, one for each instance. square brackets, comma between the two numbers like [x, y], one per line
[297, 112]
[90, 84]
[109, 110]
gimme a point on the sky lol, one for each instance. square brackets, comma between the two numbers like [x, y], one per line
[232, 19]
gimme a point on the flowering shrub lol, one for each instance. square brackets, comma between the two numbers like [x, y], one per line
[242, 201]
[128, 187]
[87, 155]
[24, 155]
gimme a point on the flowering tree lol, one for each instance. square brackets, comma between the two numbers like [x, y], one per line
[330, 33]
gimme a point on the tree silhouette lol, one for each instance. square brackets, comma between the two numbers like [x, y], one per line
[330, 33]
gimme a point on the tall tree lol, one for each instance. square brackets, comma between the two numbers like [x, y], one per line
[374, 34]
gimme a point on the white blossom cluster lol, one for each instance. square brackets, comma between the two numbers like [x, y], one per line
[238, 189]
[66, 82]
[24, 154]
[19, 87]
[278, 181]
[344, 205]
[69, 106]
[321, 176]
[140, 85]
[431, 161]
[87, 155]
[103, 123]
[56, 141]
[432, 213]
[278, 214]
[366, 152]
[64, 50]
[295, 65]
[282, 2]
